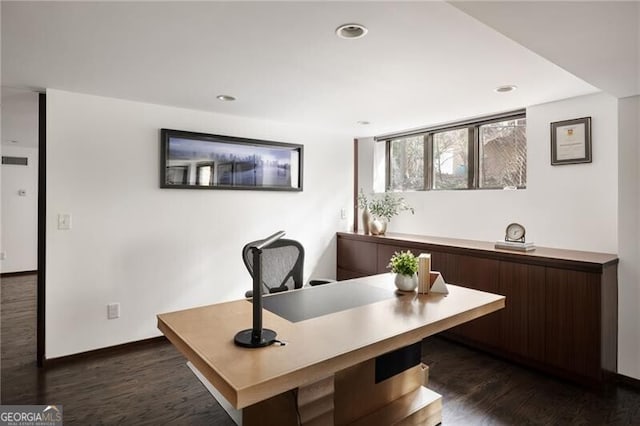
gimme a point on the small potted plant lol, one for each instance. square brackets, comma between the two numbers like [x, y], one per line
[405, 266]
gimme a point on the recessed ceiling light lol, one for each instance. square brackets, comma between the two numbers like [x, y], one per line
[351, 31]
[225, 98]
[505, 89]
[363, 122]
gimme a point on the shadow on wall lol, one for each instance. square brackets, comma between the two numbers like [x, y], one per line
[325, 267]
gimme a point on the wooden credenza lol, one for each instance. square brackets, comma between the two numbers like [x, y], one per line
[561, 310]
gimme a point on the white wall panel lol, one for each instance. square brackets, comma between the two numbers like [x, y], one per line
[156, 250]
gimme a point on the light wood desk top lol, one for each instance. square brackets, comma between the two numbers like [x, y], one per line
[318, 347]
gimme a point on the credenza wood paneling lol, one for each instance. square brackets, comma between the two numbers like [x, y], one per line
[347, 274]
[384, 254]
[572, 324]
[358, 257]
[561, 305]
[522, 329]
[479, 274]
[544, 256]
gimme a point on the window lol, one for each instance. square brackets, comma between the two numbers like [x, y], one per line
[406, 158]
[489, 153]
[451, 159]
[503, 154]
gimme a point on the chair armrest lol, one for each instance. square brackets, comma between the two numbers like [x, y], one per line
[320, 281]
[249, 293]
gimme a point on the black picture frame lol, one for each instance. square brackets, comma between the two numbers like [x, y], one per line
[571, 141]
[190, 160]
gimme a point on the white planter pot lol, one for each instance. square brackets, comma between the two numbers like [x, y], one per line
[378, 226]
[406, 282]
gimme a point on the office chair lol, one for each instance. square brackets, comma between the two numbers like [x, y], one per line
[282, 266]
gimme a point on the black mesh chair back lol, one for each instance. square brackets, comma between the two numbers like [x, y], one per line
[282, 265]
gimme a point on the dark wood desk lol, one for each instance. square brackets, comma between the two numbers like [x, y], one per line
[328, 360]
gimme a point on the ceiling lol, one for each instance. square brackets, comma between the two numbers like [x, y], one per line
[421, 62]
[598, 41]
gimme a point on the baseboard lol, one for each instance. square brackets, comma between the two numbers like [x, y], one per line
[17, 274]
[628, 381]
[108, 351]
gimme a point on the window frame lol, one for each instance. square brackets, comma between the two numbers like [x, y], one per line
[473, 156]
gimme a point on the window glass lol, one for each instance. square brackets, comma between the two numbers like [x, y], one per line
[489, 152]
[406, 157]
[204, 175]
[503, 154]
[451, 159]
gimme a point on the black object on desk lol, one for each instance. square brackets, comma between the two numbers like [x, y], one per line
[258, 337]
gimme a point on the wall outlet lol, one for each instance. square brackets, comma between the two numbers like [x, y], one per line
[3, 255]
[113, 310]
[64, 221]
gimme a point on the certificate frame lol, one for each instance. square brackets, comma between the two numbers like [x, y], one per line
[571, 141]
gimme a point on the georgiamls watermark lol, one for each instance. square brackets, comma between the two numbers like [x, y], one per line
[30, 415]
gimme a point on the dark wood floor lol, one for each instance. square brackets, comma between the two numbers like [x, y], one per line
[152, 385]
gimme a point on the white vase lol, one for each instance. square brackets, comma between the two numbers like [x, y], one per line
[406, 282]
[378, 226]
[366, 220]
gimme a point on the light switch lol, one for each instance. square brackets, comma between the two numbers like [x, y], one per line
[113, 310]
[64, 221]
[343, 213]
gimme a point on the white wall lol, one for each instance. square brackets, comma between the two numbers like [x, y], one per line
[20, 213]
[629, 238]
[157, 250]
[570, 206]
[19, 117]
[19, 225]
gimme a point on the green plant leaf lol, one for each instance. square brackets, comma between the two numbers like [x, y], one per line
[404, 263]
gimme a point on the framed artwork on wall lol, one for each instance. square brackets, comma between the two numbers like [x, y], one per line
[205, 161]
[571, 141]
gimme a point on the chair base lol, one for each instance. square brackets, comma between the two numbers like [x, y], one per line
[245, 339]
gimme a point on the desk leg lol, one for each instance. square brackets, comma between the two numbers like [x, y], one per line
[351, 397]
[361, 401]
[310, 405]
[315, 403]
[279, 410]
[235, 414]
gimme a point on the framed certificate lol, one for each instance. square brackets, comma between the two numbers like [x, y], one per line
[571, 141]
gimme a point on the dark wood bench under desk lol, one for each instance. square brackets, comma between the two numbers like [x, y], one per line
[561, 314]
